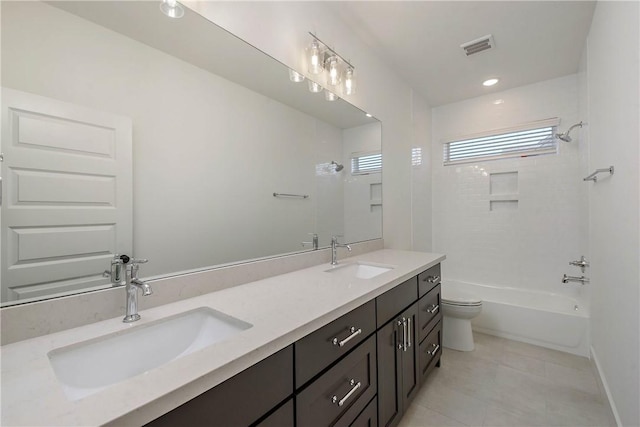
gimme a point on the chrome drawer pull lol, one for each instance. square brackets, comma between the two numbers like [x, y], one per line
[404, 334]
[409, 333]
[433, 279]
[433, 308]
[401, 344]
[436, 347]
[355, 386]
[354, 333]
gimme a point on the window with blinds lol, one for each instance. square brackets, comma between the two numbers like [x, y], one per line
[364, 163]
[518, 143]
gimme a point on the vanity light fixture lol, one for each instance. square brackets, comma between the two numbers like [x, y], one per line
[349, 82]
[333, 71]
[172, 8]
[490, 82]
[339, 73]
[315, 57]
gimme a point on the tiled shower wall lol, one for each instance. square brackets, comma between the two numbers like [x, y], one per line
[511, 222]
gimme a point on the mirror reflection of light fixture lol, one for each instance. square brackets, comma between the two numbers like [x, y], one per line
[295, 77]
[339, 72]
[314, 87]
[330, 96]
[172, 8]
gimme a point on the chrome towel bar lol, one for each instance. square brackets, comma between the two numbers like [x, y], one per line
[593, 176]
[301, 196]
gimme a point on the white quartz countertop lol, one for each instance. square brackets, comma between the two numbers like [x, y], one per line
[282, 309]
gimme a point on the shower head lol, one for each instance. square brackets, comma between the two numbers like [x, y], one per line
[565, 136]
[339, 167]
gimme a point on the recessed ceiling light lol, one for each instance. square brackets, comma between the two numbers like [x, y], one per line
[498, 102]
[490, 82]
[368, 115]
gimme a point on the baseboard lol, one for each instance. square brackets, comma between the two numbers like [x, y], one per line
[605, 386]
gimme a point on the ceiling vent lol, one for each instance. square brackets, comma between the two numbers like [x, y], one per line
[478, 45]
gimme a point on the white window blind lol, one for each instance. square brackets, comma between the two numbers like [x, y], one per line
[528, 140]
[363, 163]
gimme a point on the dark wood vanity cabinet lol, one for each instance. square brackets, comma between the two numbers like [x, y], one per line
[242, 400]
[361, 370]
[430, 321]
[398, 364]
[339, 395]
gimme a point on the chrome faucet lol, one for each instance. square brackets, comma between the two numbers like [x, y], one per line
[334, 249]
[132, 286]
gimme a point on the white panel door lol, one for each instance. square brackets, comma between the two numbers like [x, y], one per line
[67, 195]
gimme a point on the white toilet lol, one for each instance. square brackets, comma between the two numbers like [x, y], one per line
[458, 308]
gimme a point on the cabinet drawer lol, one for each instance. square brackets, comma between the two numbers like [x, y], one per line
[341, 393]
[428, 279]
[368, 417]
[430, 313]
[256, 390]
[319, 349]
[392, 302]
[430, 351]
[282, 417]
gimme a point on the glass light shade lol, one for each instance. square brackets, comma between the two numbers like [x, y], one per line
[314, 58]
[172, 8]
[295, 77]
[349, 85]
[333, 68]
[314, 87]
[330, 96]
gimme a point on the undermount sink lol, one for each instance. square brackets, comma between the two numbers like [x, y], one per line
[91, 366]
[359, 270]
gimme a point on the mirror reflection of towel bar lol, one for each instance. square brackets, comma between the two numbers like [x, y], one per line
[301, 196]
[593, 176]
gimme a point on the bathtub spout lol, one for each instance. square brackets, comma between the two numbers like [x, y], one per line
[582, 280]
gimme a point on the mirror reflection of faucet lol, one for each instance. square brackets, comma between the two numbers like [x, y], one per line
[582, 280]
[116, 271]
[313, 242]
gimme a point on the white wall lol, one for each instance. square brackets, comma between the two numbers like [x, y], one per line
[612, 102]
[209, 212]
[281, 30]
[529, 247]
[421, 175]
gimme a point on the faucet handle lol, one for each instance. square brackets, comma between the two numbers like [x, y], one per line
[138, 261]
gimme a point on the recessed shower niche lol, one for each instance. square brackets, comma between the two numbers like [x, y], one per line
[503, 191]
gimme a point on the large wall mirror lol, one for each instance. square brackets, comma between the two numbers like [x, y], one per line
[125, 131]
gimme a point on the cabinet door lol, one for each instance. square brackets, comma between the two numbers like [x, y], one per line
[389, 374]
[282, 417]
[368, 417]
[409, 356]
[255, 390]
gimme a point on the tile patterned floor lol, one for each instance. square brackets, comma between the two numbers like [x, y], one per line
[512, 384]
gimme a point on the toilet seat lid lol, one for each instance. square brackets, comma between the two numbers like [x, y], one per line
[455, 297]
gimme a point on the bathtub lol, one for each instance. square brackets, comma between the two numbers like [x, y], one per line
[545, 319]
